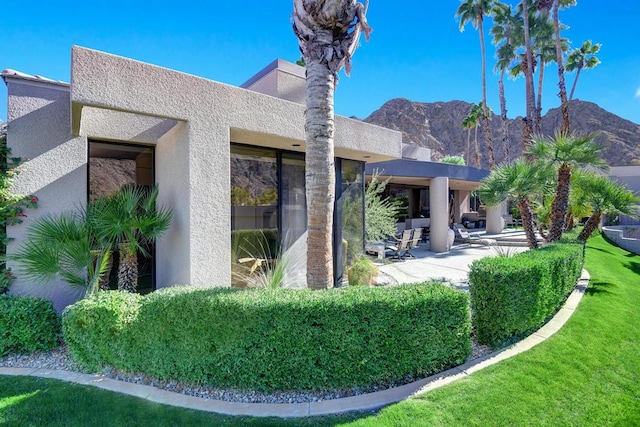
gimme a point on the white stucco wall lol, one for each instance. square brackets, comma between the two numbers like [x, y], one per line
[54, 168]
[616, 235]
[189, 120]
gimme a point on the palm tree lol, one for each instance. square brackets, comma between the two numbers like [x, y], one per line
[527, 68]
[130, 220]
[582, 58]
[503, 37]
[468, 123]
[474, 11]
[520, 181]
[328, 32]
[65, 246]
[567, 152]
[604, 196]
[564, 103]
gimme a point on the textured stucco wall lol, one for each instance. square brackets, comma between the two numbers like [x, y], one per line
[54, 168]
[193, 166]
[189, 120]
[615, 234]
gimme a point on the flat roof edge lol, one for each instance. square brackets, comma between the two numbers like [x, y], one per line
[18, 75]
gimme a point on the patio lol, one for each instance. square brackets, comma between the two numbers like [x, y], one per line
[451, 267]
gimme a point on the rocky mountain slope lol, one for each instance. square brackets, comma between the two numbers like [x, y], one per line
[438, 126]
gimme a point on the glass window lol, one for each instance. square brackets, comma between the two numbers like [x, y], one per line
[111, 167]
[294, 200]
[254, 211]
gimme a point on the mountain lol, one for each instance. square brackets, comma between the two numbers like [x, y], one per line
[438, 126]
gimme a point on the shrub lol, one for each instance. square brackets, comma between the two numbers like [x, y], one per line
[279, 339]
[362, 271]
[511, 297]
[94, 328]
[27, 325]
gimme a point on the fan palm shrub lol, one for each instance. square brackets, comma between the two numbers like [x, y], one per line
[129, 220]
[65, 246]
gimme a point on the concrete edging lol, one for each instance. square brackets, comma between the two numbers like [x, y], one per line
[361, 402]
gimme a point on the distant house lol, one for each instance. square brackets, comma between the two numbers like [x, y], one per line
[228, 160]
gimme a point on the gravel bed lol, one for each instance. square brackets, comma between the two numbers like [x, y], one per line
[59, 359]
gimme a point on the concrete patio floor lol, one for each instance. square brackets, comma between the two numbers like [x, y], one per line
[451, 267]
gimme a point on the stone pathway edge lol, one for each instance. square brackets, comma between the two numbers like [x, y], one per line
[363, 402]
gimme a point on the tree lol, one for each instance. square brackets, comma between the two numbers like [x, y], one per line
[469, 122]
[566, 152]
[503, 38]
[129, 220]
[380, 212]
[527, 68]
[604, 196]
[474, 11]
[582, 58]
[562, 94]
[328, 32]
[520, 181]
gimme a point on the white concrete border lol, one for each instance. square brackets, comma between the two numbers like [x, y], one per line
[361, 402]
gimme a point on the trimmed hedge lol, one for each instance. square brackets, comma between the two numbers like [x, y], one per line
[275, 340]
[511, 297]
[27, 325]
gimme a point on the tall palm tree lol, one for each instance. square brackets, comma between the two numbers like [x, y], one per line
[474, 11]
[604, 196]
[582, 58]
[564, 103]
[130, 220]
[468, 123]
[503, 37]
[328, 32]
[521, 182]
[566, 152]
[527, 68]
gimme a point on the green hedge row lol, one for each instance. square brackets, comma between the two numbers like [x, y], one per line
[27, 325]
[511, 297]
[270, 340]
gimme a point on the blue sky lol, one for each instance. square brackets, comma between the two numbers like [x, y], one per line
[416, 50]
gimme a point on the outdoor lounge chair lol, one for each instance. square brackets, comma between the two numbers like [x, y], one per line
[401, 246]
[463, 235]
[416, 237]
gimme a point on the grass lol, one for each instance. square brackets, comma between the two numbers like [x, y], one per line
[587, 374]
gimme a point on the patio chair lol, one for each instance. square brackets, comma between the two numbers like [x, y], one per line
[463, 235]
[401, 246]
[510, 221]
[416, 237]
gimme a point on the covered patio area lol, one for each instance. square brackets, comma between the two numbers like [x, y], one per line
[437, 195]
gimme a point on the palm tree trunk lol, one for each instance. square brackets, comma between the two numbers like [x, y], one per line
[485, 116]
[469, 146]
[320, 172]
[538, 122]
[527, 223]
[575, 82]
[560, 202]
[503, 116]
[564, 103]
[127, 270]
[528, 73]
[477, 157]
[592, 223]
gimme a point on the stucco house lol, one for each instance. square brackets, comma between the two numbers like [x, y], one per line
[227, 159]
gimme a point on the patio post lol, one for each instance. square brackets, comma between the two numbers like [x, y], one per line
[439, 202]
[495, 222]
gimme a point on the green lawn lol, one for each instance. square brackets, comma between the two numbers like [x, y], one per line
[587, 374]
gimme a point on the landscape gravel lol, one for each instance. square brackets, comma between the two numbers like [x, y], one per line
[59, 359]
